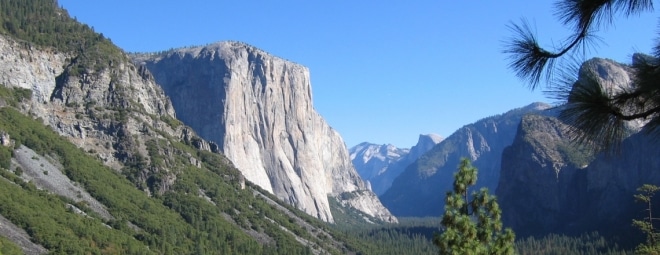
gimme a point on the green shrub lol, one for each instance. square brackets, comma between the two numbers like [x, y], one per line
[5, 157]
[7, 247]
[18, 171]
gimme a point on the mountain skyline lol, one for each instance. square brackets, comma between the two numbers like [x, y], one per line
[106, 124]
[377, 69]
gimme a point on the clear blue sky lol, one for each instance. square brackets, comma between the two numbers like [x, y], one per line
[381, 72]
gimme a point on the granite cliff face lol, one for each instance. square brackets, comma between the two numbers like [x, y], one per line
[379, 165]
[420, 189]
[549, 184]
[536, 176]
[258, 109]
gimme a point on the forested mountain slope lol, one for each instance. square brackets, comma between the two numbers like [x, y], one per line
[76, 100]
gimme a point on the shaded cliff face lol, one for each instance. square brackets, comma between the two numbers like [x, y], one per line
[549, 184]
[534, 188]
[258, 108]
[381, 164]
[421, 188]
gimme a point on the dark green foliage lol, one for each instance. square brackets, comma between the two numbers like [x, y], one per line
[411, 236]
[652, 245]
[577, 154]
[50, 223]
[172, 122]
[13, 97]
[43, 23]
[5, 157]
[585, 244]
[18, 171]
[472, 226]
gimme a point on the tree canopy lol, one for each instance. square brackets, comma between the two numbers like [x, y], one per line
[652, 245]
[472, 226]
[597, 115]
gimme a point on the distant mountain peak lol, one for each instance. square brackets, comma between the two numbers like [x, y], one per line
[381, 164]
[419, 189]
[433, 137]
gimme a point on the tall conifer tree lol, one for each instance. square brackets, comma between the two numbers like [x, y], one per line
[472, 226]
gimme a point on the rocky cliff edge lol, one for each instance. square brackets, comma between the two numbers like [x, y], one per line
[258, 108]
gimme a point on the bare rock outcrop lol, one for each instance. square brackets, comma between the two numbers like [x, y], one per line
[258, 109]
[613, 78]
[91, 108]
[46, 174]
[107, 105]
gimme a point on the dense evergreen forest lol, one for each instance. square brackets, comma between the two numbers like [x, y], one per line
[43, 23]
[178, 221]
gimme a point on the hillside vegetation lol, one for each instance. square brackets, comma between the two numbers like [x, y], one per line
[205, 211]
[178, 222]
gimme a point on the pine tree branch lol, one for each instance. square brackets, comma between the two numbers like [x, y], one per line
[641, 115]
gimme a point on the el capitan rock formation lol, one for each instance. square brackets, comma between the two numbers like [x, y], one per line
[258, 109]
